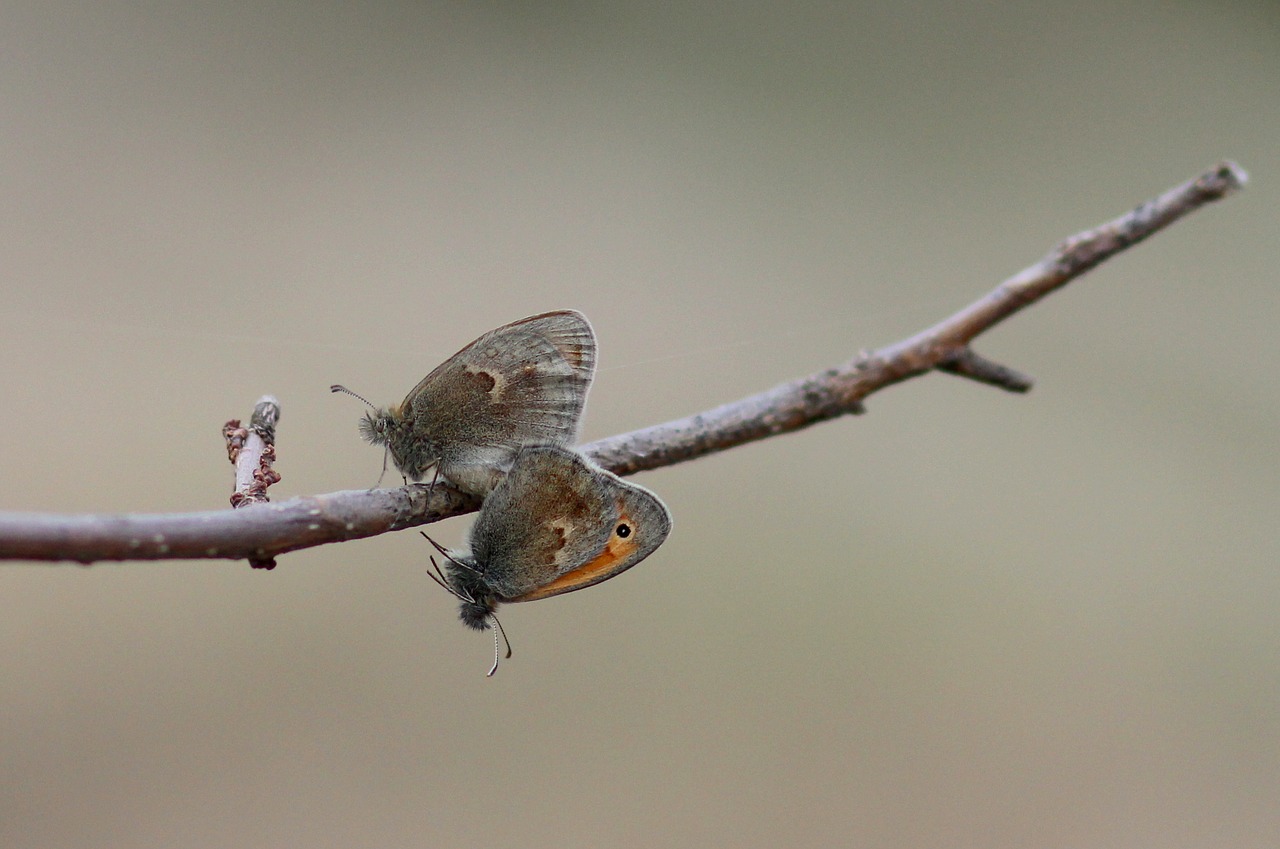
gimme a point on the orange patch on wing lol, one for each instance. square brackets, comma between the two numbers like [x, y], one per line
[599, 568]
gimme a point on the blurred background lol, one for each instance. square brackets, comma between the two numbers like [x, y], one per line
[965, 619]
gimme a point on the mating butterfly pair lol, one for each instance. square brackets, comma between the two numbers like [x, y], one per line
[496, 420]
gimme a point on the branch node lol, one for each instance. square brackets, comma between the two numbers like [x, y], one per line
[234, 435]
[968, 363]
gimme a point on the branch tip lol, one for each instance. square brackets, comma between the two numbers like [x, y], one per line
[265, 415]
[968, 363]
[1228, 176]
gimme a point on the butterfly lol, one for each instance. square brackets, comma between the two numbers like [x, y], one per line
[556, 523]
[523, 383]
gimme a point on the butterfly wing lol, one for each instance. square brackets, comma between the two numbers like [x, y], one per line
[523, 383]
[557, 523]
[571, 334]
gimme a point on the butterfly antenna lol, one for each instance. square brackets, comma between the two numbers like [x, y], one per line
[338, 387]
[497, 629]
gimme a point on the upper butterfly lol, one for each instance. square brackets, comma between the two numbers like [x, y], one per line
[524, 383]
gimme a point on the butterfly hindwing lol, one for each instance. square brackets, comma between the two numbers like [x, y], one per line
[557, 523]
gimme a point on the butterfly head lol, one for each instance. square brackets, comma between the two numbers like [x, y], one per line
[476, 603]
[462, 578]
[410, 450]
[378, 425]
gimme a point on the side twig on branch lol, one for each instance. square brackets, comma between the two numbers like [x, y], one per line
[260, 531]
[252, 451]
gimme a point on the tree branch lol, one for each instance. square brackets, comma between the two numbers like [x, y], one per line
[259, 532]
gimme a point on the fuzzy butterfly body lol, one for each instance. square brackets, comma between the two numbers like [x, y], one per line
[524, 383]
[556, 523]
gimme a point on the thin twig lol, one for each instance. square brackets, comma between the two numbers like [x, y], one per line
[252, 451]
[261, 531]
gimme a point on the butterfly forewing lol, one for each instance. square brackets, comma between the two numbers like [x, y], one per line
[524, 383]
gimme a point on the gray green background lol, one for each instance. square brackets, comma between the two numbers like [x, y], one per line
[966, 619]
